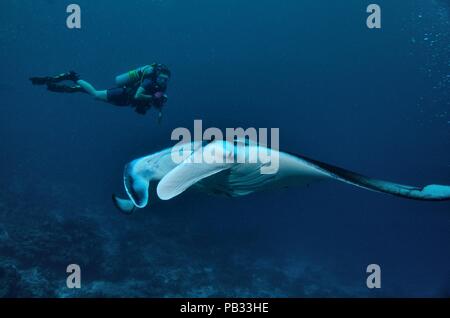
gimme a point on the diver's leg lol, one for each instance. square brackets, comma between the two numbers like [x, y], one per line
[100, 95]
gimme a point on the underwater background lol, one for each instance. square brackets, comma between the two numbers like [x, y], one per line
[373, 101]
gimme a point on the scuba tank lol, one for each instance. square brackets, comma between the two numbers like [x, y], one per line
[132, 77]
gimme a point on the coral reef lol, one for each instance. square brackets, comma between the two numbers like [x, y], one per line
[137, 256]
[15, 282]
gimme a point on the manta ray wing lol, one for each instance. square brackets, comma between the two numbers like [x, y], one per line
[431, 192]
[189, 172]
[139, 174]
[183, 177]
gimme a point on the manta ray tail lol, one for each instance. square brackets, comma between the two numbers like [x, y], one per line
[431, 192]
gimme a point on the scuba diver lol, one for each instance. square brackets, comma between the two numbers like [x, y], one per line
[141, 88]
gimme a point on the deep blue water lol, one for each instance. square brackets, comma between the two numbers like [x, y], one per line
[374, 101]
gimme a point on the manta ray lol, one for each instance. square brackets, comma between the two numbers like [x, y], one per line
[238, 176]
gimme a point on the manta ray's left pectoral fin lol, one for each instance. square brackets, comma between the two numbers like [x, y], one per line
[191, 171]
[124, 205]
[184, 176]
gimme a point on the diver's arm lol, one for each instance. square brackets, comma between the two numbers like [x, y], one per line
[140, 96]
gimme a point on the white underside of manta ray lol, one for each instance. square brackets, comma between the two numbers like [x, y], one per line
[238, 179]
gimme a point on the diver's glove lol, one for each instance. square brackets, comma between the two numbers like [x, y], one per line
[159, 99]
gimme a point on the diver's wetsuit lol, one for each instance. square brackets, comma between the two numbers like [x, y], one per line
[124, 96]
[119, 96]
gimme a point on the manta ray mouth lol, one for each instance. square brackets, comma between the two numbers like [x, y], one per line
[128, 181]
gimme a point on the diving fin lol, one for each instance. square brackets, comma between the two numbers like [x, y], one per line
[40, 80]
[69, 76]
[59, 88]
